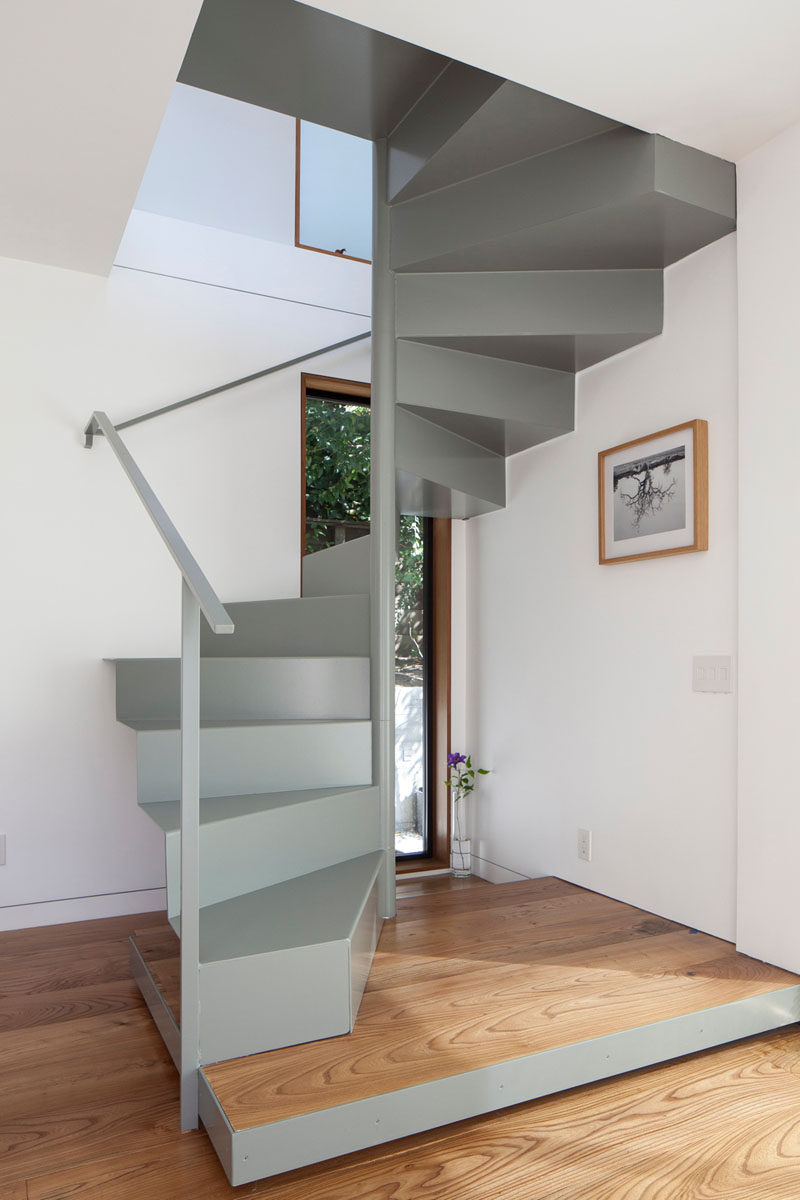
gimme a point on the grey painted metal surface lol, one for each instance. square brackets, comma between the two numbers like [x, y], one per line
[159, 1010]
[311, 626]
[363, 942]
[501, 405]
[455, 96]
[383, 523]
[320, 906]
[696, 177]
[251, 842]
[284, 1145]
[241, 759]
[435, 454]
[588, 175]
[339, 570]
[201, 589]
[287, 964]
[247, 688]
[189, 835]
[515, 122]
[425, 498]
[565, 320]
[529, 303]
[298, 60]
[619, 200]
[265, 1001]
[648, 231]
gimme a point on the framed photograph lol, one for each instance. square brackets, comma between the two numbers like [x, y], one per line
[654, 495]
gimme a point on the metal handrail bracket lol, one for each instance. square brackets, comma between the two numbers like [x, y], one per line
[210, 604]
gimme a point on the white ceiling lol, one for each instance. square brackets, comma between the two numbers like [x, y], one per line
[83, 87]
[722, 75]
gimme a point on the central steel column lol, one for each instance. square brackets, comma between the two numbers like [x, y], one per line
[383, 519]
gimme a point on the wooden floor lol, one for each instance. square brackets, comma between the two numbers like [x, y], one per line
[487, 974]
[88, 1103]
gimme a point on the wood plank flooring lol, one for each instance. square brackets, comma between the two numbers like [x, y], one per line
[89, 1110]
[483, 975]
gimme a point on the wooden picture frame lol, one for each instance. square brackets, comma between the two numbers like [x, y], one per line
[653, 495]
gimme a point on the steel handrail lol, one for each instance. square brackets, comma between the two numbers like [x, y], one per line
[210, 604]
[233, 383]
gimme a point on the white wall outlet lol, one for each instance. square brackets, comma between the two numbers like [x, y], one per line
[2, 849]
[585, 845]
[712, 673]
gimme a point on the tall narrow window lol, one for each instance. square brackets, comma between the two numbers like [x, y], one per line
[335, 490]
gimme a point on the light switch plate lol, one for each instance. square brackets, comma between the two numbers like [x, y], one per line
[712, 673]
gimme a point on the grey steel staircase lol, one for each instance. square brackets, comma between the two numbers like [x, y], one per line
[290, 836]
[519, 240]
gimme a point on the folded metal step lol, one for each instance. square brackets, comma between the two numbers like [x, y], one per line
[288, 963]
[440, 474]
[512, 123]
[252, 842]
[623, 199]
[504, 406]
[565, 320]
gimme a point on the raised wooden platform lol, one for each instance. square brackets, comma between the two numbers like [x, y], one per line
[483, 997]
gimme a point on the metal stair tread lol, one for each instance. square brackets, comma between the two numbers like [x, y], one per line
[309, 910]
[226, 808]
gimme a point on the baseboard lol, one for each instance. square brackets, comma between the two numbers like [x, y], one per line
[81, 908]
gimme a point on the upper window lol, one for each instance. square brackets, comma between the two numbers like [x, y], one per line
[334, 192]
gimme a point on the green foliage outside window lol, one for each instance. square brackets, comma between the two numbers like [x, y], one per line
[337, 473]
[337, 510]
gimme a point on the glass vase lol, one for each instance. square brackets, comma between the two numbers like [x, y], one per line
[460, 845]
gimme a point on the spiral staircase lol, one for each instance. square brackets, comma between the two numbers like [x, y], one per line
[527, 242]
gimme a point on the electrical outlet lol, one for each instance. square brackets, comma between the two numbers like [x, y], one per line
[585, 845]
[2, 849]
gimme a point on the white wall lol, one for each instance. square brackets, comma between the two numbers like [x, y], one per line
[86, 576]
[580, 674]
[769, 630]
[223, 163]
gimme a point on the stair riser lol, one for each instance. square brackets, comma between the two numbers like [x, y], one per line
[264, 1001]
[248, 853]
[307, 627]
[241, 761]
[529, 304]
[247, 689]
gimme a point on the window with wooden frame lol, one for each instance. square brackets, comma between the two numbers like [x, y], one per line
[335, 426]
[333, 192]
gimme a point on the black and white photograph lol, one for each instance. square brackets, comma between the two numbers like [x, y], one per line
[650, 494]
[653, 494]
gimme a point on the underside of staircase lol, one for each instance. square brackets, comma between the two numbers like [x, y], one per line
[526, 241]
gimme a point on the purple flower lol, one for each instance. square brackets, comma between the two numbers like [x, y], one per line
[453, 760]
